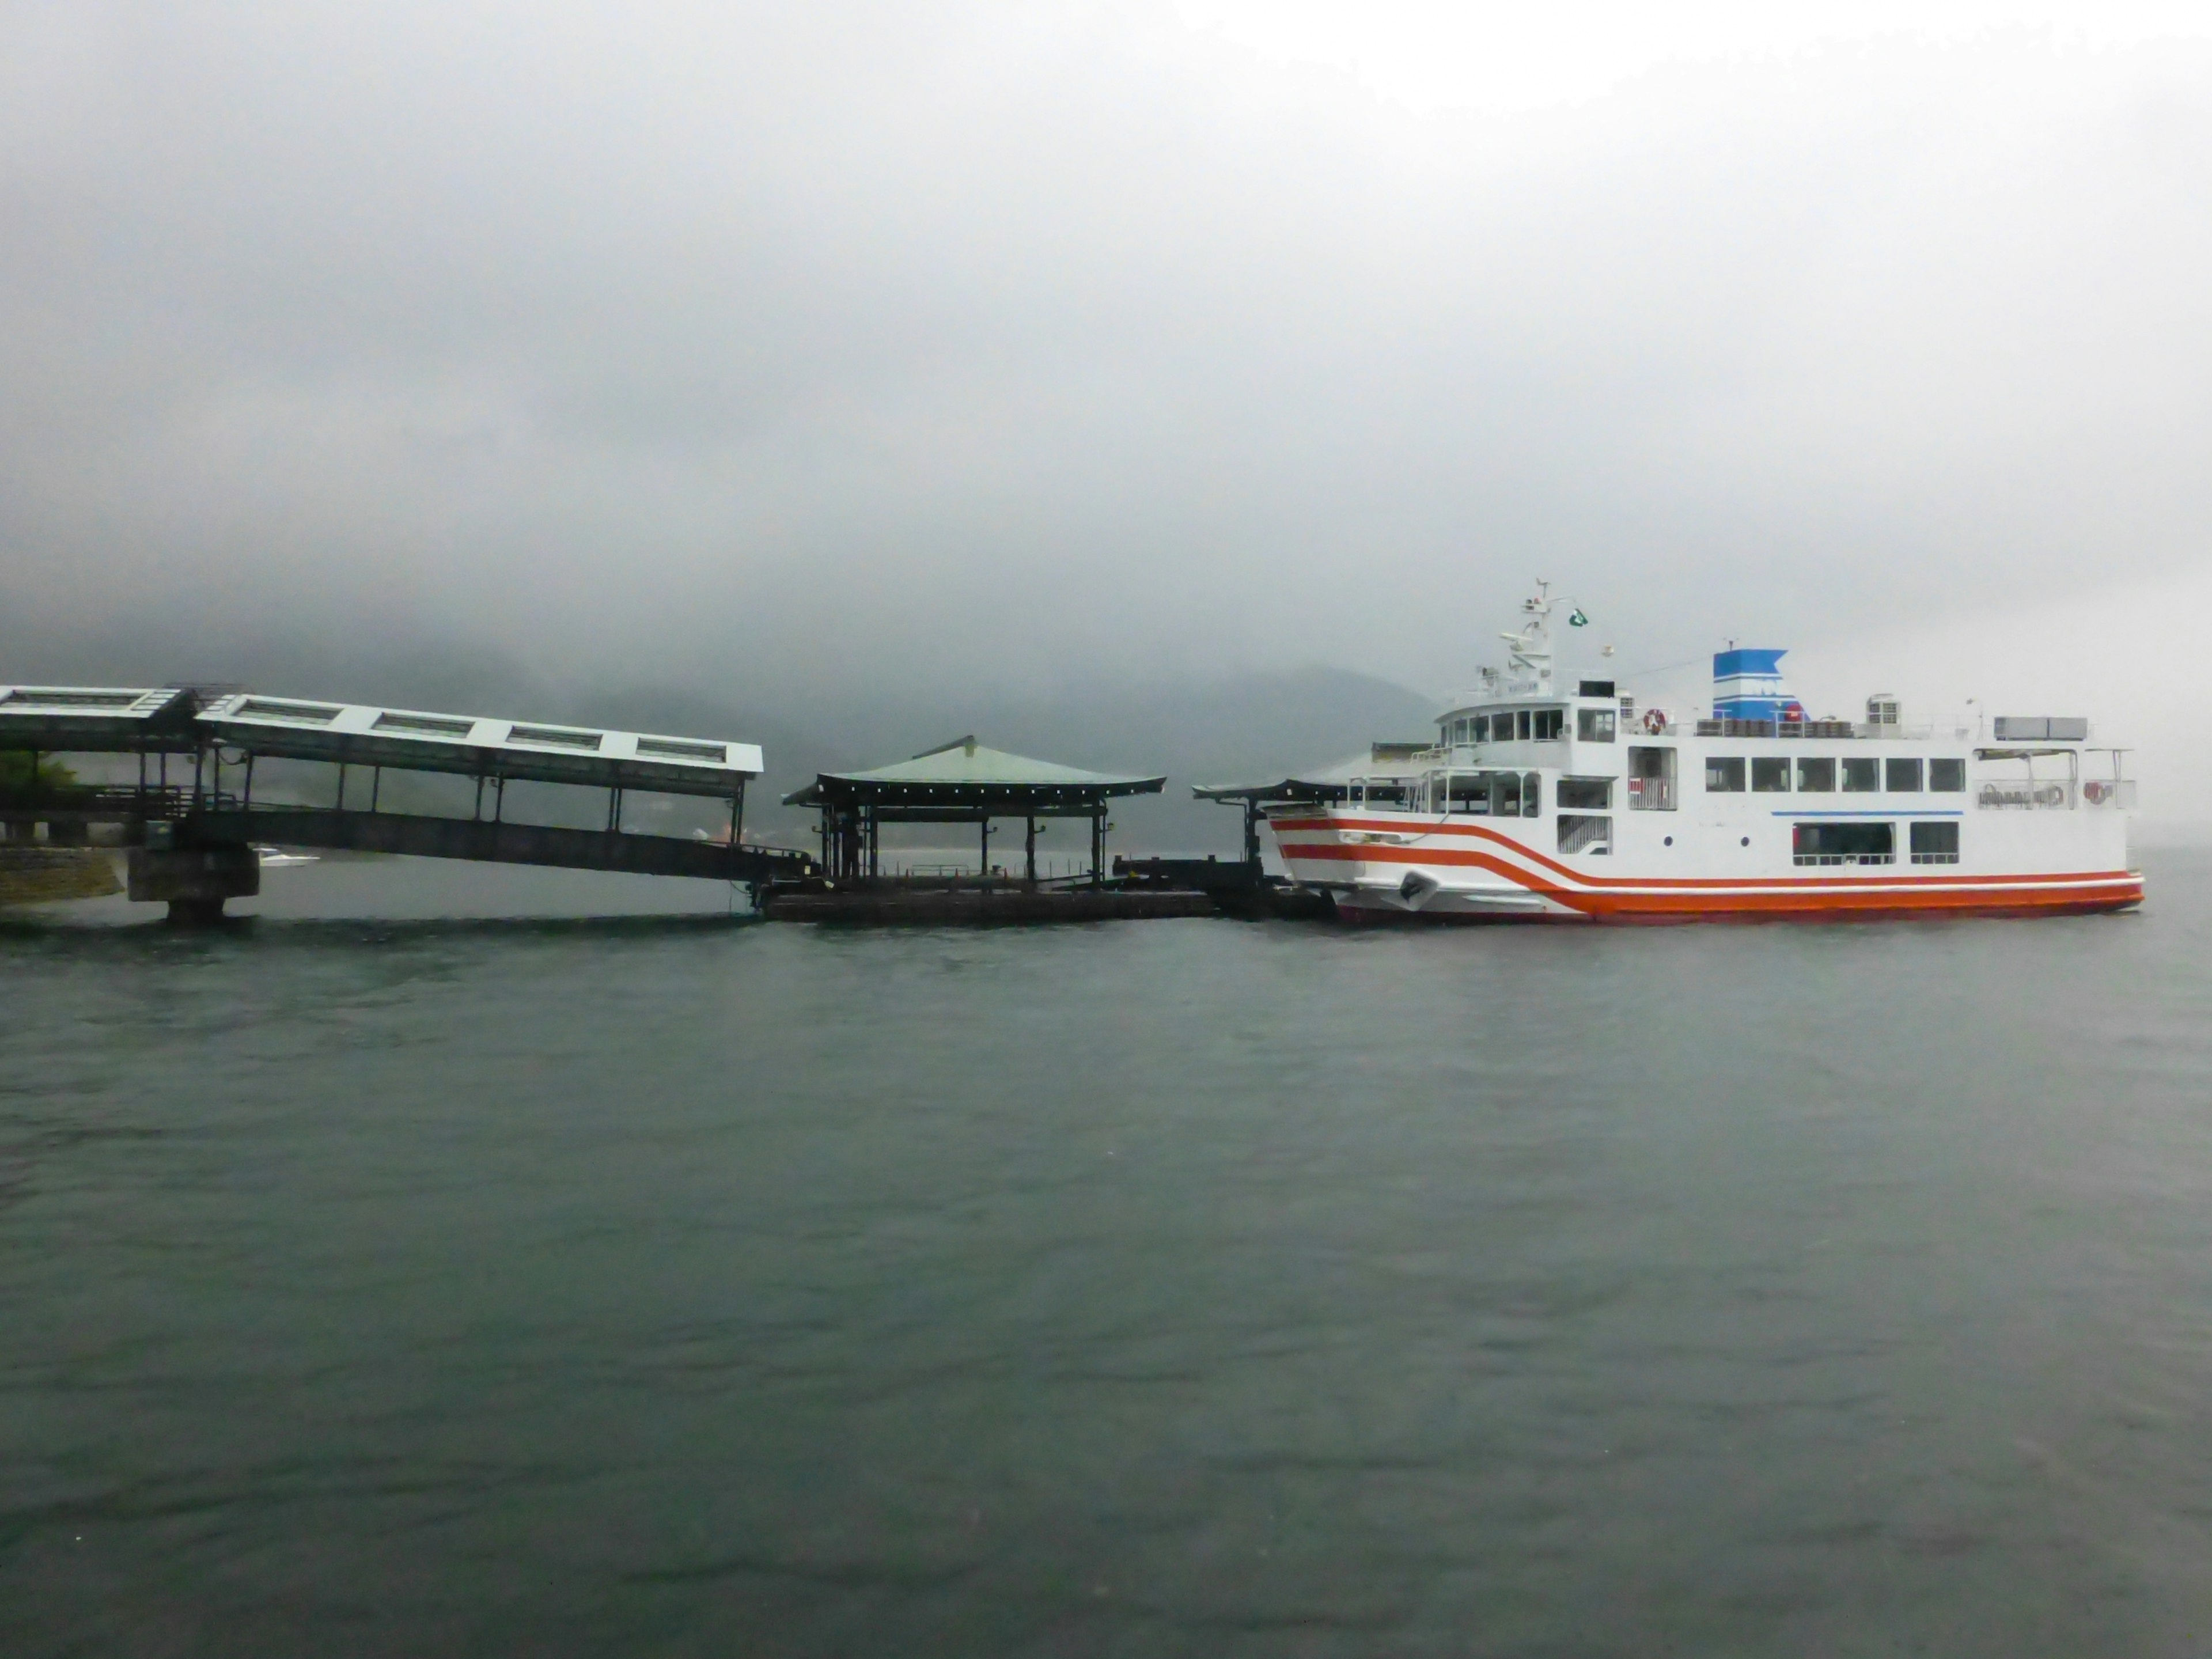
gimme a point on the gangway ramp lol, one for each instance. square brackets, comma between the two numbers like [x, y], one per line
[192, 818]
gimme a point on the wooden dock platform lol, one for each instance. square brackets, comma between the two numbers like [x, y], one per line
[892, 904]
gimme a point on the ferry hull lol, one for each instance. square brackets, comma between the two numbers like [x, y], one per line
[1388, 869]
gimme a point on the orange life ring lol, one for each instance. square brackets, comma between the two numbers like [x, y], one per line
[1655, 720]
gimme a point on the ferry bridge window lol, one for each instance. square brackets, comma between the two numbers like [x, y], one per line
[1521, 723]
[1585, 794]
[1816, 777]
[1843, 843]
[1935, 844]
[1723, 774]
[1549, 725]
[1478, 729]
[1861, 776]
[1770, 776]
[1532, 794]
[1904, 777]
[1595, 724]
[1947, 776]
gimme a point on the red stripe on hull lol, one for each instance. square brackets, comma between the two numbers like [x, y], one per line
[1378, 916]
[1811, 899]
[1384, 852]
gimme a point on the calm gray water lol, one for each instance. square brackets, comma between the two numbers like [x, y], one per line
[667, 1285]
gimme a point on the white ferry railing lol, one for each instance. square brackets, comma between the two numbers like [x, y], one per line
[1651, 794]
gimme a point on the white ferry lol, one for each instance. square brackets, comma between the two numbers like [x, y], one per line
[1535, 805]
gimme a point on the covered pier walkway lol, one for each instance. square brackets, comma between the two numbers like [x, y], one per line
[191, 819]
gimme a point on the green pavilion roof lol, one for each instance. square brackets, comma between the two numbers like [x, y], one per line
[967, 767]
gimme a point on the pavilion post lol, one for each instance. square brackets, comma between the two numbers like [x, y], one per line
[983, 857]
[1028, 849]
[1098, 848]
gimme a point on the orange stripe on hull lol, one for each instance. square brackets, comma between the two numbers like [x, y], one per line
[1829, 898]
[1382, 852]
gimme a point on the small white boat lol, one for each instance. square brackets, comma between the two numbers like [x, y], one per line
[276, 857]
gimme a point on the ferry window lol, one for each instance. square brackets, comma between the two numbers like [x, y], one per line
[1935, 843]
[1904, 777]
[1816, 777]
[1521, 720]
[1723, 774]
[1861, 776]
[1468, 792]
[1770, 777]
[1843, 843]
[1581, 833]
[1595, 724]
[1947, 776]
[1505, 796]
[1478, 729]
[1549, 724]
[1532, 794]
[1585, 794]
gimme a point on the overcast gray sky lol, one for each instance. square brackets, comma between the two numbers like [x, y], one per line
[876, 342]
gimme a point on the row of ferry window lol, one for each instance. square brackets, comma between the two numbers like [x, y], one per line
[1872, 843]
[1809, 843]
[1818, 774]
[1533, 726]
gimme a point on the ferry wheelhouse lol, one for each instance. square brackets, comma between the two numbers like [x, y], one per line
[1532, 805]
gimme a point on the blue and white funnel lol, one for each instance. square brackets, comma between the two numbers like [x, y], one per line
[1747, 686]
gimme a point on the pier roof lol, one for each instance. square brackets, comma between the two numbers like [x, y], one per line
[94, 718]
[968, 773]
[80, 719]
[475, 744]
